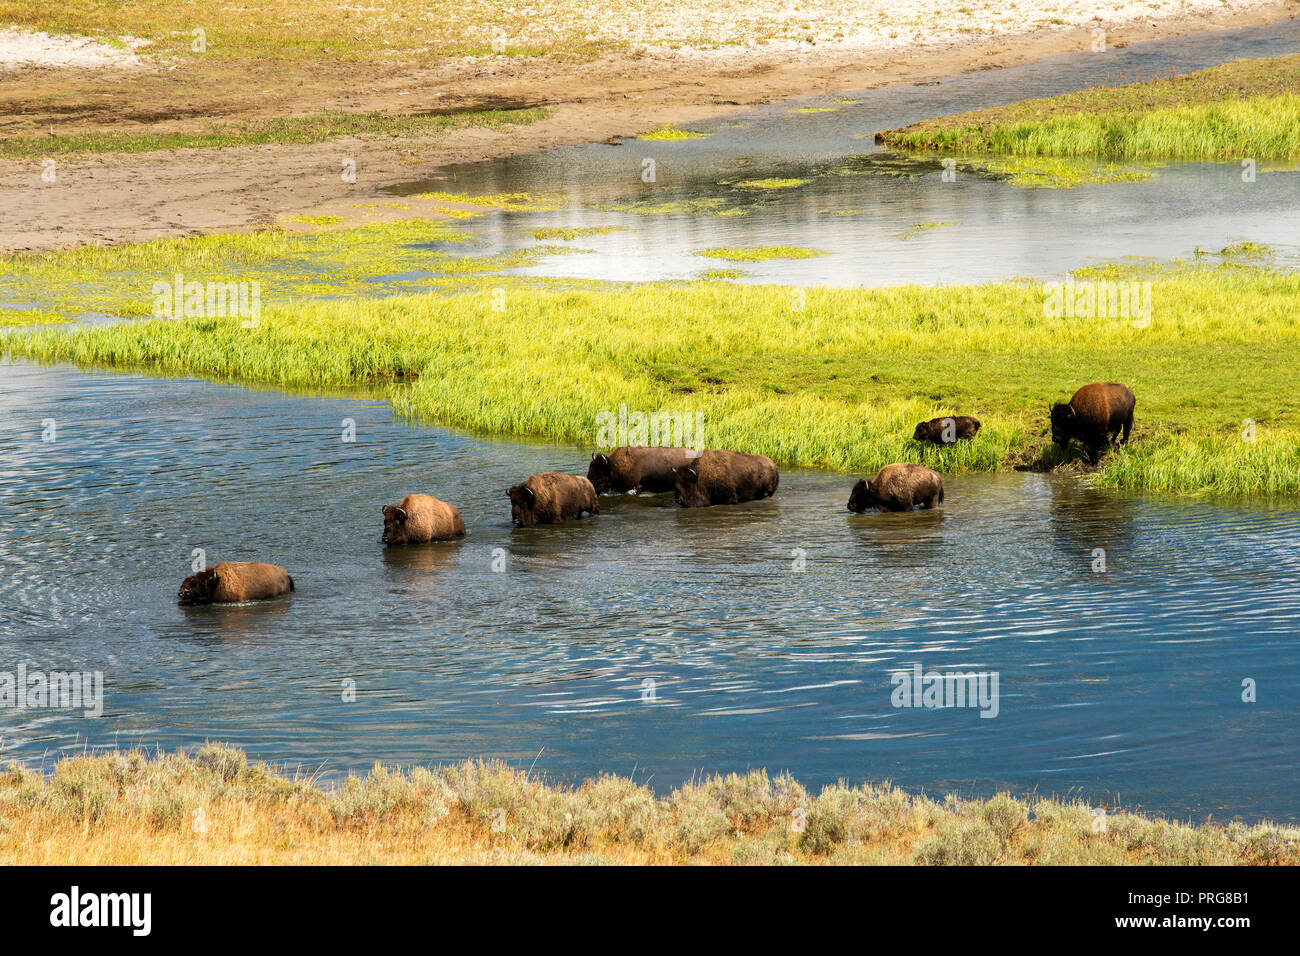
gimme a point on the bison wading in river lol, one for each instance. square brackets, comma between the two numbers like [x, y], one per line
[550, 498]
[898, 487]
[1096, 416]
[233, 582]
[725, 478]
[420, 519]
[646, 470]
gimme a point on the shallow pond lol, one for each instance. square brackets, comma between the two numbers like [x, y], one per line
[1124, 684]
[882, 220]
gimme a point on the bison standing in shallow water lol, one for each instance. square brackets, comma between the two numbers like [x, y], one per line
[550, 498]
[232, 582]
[420, 519]
[642, 469]
[1096, 415]
[898, 488]
[725, 478]
[945, 431]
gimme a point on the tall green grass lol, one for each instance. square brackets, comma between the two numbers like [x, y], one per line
[839, 384]
[1249, 109]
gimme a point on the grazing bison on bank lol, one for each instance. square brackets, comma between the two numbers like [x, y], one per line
[550, 498]
[725, 478]
[1095, 416]
[420, 519]
[640, 469]
[945, 431]
[898, 488]
[232, 582]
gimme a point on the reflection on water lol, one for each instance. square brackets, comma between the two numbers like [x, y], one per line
[866, 210]
[1125, 681]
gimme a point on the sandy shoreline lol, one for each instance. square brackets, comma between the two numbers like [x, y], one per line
[114, 198]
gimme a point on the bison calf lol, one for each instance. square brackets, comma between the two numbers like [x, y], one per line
[550, 498]
[231, 582]
[1096, 416]
[898, 488]
[420, 519]
[640, 469]
[725, 478]
[945, 431]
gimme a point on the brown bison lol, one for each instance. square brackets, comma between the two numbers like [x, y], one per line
[643, 470]
[725, 478]
[945, 431]
[1096, 415]
[898, 488]
[420, 519]
[231, 582]
[550, 498]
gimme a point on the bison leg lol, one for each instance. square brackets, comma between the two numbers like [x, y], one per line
[1128, 427]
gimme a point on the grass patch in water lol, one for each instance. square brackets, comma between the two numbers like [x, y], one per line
[282, 130]
[838, 384]
[921, 227]
[133, 808]
[574, 233]
[1248, 109]
[812, 109]
[760, 253]
[289, 266]
[717, 275]
[507, 202]
[769, 183]
[670, 135]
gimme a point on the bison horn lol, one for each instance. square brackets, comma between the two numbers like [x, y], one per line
[400, 513]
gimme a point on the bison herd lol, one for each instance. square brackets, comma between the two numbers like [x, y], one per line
[1097, 415]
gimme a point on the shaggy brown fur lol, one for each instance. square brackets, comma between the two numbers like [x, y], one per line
[945, 431]
[550, 498]
[725, 478]
[420, 519]
[231, 582]
[898, 488]
[1096, 416]
[646, 470]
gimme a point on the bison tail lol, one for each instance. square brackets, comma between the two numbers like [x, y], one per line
[940, 494]
[290, 583]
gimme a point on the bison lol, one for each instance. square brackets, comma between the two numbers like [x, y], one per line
[945, 431]
[420, 519]
[725, 478]
[550, 498]
[1096, 416]
[232, 582]
[898, 487]
[643, 470]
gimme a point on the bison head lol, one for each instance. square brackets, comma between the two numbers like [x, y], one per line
[862, 497]
[687, 491]
[600, 473]
[1063, 418]
[523, 501]
[394, 525]
[199, 588]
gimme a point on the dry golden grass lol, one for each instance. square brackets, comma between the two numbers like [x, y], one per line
[214, 807]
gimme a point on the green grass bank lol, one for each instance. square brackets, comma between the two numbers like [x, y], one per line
[834, 378]
[1249, 109]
